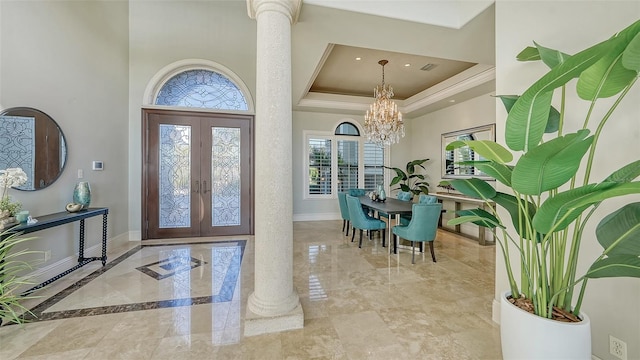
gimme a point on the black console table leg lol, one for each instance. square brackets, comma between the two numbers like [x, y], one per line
[81, 248]
[104, 239]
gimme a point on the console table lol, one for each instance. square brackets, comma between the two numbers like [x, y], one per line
[61, 218]
[458, 200]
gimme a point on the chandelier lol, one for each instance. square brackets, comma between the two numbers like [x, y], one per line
[383, 122]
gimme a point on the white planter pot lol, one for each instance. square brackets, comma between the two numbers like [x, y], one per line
[527, 336]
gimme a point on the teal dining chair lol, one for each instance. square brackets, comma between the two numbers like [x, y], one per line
[344, 211]
[422, 228]
[357, 192]
[404, 195]
[361, 221]
[427, 199]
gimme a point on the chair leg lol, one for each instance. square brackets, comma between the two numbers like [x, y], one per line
[344, 222]
[348, 226]
[433, 255]
[384, 236]
[421, 246]
[360, 242]
[353, 235]
[413, 252]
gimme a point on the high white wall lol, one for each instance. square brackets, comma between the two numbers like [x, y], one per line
[570, 26]
[70, 60]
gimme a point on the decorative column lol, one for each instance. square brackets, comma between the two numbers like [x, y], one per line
[274, 305]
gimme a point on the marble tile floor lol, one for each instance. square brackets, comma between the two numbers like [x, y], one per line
[186, 298]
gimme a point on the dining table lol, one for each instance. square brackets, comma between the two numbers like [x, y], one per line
[391, 206]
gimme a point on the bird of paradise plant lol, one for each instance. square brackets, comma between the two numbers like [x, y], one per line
[553, 195]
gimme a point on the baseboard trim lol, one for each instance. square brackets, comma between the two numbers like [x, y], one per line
[317, 217]
[135, 235]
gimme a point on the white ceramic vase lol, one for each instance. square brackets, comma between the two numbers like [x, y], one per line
[526, 336]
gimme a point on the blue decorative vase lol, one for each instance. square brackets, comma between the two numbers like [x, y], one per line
[82, 194]
[382, 196]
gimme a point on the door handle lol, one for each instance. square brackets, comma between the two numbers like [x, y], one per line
[196, 189]
[204, 187]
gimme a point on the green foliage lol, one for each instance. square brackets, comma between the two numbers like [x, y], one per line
[553, 195]
[11, 277]
[410, 180]
[12, 207]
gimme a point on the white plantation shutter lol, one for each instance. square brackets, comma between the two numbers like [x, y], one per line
[373, 166]
[319, 165]
[348, 155]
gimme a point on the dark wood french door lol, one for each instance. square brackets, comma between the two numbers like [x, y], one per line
[197, 174]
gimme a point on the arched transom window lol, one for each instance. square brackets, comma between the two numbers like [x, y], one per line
[201, 88]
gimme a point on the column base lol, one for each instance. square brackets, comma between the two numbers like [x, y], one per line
[257, 324]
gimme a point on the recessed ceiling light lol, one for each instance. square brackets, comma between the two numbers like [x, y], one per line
[407, 64]
[358, 58]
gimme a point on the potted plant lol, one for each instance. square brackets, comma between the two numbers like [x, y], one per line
[553, 195]
[410, 180]
[12, 279]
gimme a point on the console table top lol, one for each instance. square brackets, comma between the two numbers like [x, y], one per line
[59, 218]
[459, 198]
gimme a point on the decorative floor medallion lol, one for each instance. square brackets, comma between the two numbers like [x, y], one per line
[179, 277]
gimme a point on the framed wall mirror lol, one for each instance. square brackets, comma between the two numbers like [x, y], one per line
[451, 168]
[33, 141]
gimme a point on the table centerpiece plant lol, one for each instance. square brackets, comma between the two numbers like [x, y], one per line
[552, 193]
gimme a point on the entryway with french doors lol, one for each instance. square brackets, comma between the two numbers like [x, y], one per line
[197, 166]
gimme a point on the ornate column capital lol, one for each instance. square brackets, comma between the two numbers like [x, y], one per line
[290, 8]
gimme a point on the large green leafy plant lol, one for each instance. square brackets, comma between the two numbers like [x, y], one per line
[410, 180]
[12, 279]
[553, 195]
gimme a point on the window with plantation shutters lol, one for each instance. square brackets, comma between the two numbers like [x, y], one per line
[373, 166]
[319, 165]
[342, 161]
[348, 155]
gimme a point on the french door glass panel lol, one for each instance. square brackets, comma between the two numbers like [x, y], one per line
[225, 176]
[175, 176]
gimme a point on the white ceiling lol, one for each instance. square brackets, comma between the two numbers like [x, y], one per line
[340, 83]
[448, 13]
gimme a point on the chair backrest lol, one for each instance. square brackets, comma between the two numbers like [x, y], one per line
[424, 222]
[344, 209]
[405, 195]
[356, 214]
[357, 192]
[427, 199]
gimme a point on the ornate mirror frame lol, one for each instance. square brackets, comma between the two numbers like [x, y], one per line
[33, 141]
[450, 168]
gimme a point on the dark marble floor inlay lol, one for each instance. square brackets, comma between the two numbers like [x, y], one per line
[226, 261]
[168, 267]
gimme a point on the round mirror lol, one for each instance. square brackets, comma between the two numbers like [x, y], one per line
[33, 141]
